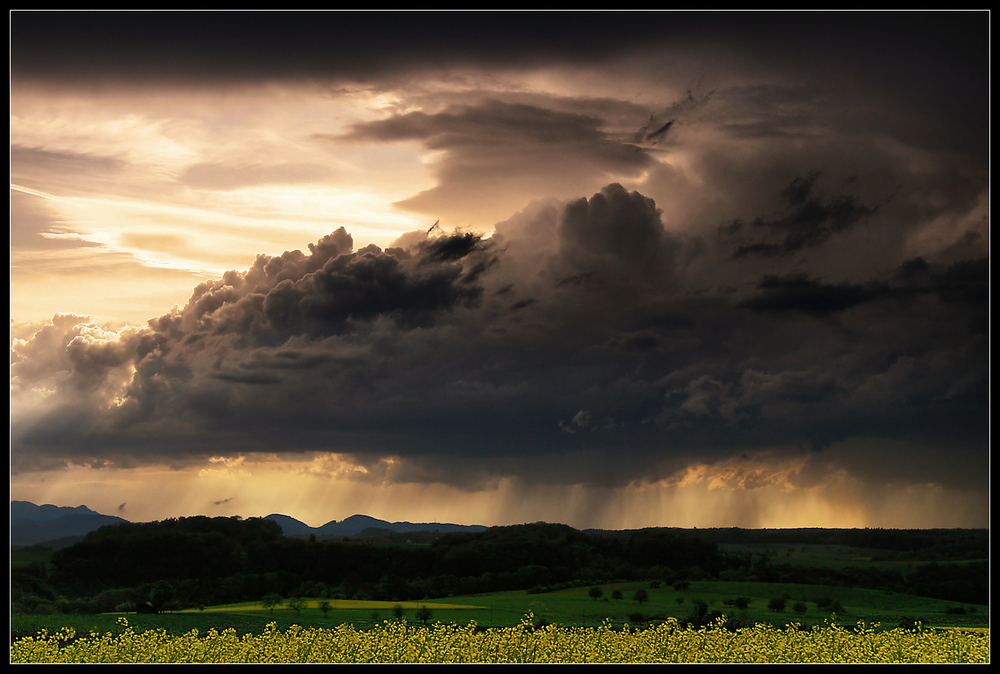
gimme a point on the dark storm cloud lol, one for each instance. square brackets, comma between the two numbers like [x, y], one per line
[930, 68]
[617, 235]
[808, 220]
[800, 293]
[211, 47]
[399, 352]
[966, 282]
[603, 336]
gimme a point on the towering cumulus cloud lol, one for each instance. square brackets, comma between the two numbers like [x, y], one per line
[467, 358]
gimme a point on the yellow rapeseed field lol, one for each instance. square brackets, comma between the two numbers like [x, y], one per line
[398, 642]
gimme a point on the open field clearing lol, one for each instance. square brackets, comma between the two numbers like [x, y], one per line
[569, 607]
[576, 606]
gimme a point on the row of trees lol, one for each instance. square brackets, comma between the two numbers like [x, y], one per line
[639, 595]
[218, 552]
[225, 560]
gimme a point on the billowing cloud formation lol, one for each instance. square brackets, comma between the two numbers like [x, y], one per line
[465, 359]
[676, 255]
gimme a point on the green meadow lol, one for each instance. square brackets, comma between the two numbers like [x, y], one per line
[574, 606]
[827, 556]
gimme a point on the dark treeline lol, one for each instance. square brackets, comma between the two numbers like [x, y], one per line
[207, 561]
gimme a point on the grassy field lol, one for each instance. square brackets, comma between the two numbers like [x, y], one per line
[575, 606]
[566, 607]
[826, 556]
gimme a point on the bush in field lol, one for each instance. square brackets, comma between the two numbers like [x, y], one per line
[911, 624]
[163, 597]
[823, 601]
[702, 617]
[742, 603]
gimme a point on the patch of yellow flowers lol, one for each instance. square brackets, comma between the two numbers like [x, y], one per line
[398, 642]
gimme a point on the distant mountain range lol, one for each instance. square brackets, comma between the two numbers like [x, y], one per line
[55, 526]
[58, 526]
[356, 524]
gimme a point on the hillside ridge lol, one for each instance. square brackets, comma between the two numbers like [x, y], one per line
[33, 524]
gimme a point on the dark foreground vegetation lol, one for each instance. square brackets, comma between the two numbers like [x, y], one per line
[201, 561]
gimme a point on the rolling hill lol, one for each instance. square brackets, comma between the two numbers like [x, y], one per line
[32, 524]
[57, 526]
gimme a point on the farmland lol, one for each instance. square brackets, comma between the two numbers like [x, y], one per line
[239, 577]
[398, 642]
[573, 606]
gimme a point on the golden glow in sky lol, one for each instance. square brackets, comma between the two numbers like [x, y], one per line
[326, 487]
[611, 270]
[185, 187]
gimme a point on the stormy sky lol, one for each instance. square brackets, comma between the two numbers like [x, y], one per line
[609, 269]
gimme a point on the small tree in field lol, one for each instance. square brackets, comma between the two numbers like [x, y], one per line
[424, 615]
[269, 601]
[324, 606]
[296, 605]
[617, 595]
[596, 593]
[640, 596]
